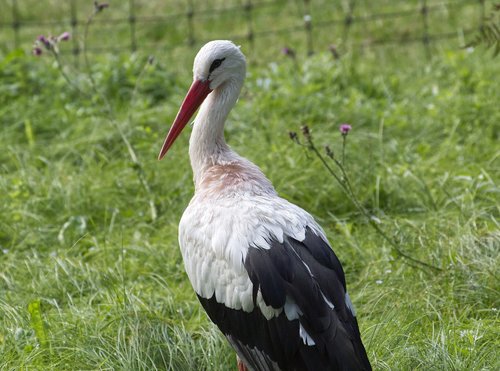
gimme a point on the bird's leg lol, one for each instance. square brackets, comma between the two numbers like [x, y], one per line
[241, 365]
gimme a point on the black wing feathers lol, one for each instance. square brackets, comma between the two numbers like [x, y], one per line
[269, 268]
[323, 254]
[249, 332]
[306, 273]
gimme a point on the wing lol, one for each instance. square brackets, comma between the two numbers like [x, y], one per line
[315, 328]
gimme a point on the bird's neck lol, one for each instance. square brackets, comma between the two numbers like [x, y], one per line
[207, 146]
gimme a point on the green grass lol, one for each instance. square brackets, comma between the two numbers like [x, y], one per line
[90, 272]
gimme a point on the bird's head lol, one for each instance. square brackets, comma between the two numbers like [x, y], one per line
[217, 63]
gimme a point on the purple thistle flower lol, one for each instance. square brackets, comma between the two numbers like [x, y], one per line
[37, 51]
[65, 36]
[44, 41]
[345, 129]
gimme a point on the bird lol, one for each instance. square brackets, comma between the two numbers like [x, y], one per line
[261, 267]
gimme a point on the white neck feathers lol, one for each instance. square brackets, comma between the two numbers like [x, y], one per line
[217, 169]
[207, 146]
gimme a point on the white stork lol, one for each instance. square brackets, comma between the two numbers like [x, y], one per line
[261, 267]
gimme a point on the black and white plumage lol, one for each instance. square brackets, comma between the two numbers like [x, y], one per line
[262, 267]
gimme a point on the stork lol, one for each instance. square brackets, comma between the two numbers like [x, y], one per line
[261, 267]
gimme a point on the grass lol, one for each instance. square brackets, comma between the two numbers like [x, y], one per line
[90, 272]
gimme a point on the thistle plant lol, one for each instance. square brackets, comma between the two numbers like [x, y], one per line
[337, 169]
[51, 45]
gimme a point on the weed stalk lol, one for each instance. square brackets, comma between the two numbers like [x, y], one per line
[110, 115]
[344, 182]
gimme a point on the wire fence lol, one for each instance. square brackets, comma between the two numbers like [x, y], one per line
[306, 25]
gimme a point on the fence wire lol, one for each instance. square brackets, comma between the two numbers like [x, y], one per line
[304, 26]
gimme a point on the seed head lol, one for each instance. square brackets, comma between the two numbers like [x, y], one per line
[99, 7]
[306, 132]
[334, 51]
[289, 52]
[328, 151]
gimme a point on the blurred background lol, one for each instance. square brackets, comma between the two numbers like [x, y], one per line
[261, 27]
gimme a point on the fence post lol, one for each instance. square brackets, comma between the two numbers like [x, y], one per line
[15, 23]
[425, 36]
[190, 15]
[348, 21]
[131, 19]
[248, 13]
[308, 27]
[74, 24]
[482, 15]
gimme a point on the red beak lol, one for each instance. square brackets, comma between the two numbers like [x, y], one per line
[194, 98]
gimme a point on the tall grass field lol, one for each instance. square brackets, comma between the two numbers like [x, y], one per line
[91, 276]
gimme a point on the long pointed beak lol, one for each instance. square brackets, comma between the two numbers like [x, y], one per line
[194, 98]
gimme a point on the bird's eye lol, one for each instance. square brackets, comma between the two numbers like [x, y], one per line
[216, 63]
